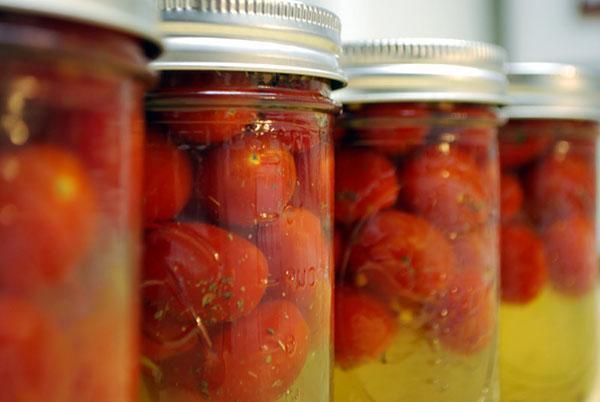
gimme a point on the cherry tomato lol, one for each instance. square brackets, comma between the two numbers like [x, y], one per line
[315, 181]
[402, 255]
[445, 186]
[167, 333]
[463, 317]
[571, 253]
[522, 141]
[393, 128]
[47, 216]
[33, 357]
[364, 328]
[523, 264]
[167, 180]
[209, 126]
[209, 272]
[254, 359]
[561, 186]
[365, 182]
[180, 395]
[338, 248]
[476, 250]
[247, 181]
[297, 253]
[511, 196]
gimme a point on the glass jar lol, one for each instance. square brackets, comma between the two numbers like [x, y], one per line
[237, 271]
[416, 220]
[549, 313]
[71, 137]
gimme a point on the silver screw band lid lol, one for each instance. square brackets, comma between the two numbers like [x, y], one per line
[409, 70]
[135, 17]
[250, 35]
[553, 91]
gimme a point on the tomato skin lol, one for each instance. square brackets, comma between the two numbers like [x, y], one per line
[476, 250]
[570, 248]
[208, 271]
[364, 328]
[209, 126]
[34, 362]
[297, 253]
[521, 142]
[523, 268]
[393, 138]
[167, 180]
[248, 181]
[299, 130]
[511, 197]
[315, 181]
[464, 316]
[48, 220]
[166, 333]
[445, 186]
[365, 182]
[254, 359]
[338, 248]
[561, 186]
[402, 255]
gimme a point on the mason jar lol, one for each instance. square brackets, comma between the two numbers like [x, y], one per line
[237, 270]
[549, 313]
[416, 220]
[72, 79]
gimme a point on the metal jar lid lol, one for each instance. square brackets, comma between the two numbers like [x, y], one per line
[553, 91]
[411, 70]
[250, 35]
[135, 17]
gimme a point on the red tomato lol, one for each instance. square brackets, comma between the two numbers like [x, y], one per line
[297, 253]
[47, 216]
[522, 141]
[208, 271]
[393, 128]
[364, 328]
[167, 333]
[365, 182]
[446, 187]
[523, 264]
[338, 248]
[180, 395]
[511, 196]
[210, 125]
[571, 253]
[402, 255]
[33, 356]
[167, 180]
[560, 187]
[254, 359]
[315, 181]
[464, 316]
[476, 250]
[247, 181]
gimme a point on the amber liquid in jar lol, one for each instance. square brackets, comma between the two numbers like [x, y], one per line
[71, 138]
[237, 265]
[549, 316]
[416, 211]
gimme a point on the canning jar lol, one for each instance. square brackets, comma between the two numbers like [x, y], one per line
[549, 315]
[416, 213]
[71, 137]
[237, 270]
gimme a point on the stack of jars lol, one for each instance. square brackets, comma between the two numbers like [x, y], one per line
[237, 268]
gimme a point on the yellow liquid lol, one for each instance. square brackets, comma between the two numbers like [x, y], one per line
[415, 370]
[548, 348]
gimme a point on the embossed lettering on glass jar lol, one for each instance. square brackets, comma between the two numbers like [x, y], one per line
[237, 271]
[416, 213]
[549, 309]
[71, 137]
